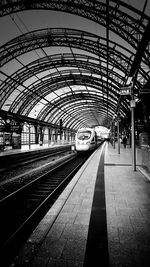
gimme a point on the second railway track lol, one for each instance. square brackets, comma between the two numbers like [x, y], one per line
[23, 209]
[12, 161]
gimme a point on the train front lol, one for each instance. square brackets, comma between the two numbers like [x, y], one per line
[83, 140]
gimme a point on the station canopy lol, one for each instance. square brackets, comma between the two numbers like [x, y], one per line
[67, 60]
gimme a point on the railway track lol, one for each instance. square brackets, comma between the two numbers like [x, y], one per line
[12, 161]
[22, 210]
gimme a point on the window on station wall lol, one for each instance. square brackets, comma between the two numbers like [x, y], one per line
[25, 134]
[45, 137]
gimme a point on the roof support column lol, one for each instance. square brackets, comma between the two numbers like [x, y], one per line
[107, 40]
[133, 129]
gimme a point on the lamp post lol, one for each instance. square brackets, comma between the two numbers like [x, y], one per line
[114, 131]
[132, 105]
[118, 133]
[28, 125]
[129, 90]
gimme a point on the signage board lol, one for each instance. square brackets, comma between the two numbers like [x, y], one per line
[125, 90]
[144, 91]
[14, 128]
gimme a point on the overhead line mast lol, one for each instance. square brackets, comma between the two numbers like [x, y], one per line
[107, 40]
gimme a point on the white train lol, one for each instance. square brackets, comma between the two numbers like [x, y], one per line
[86, 139]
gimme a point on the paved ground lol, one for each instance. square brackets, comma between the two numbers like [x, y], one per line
[61, 237]
[128, 211]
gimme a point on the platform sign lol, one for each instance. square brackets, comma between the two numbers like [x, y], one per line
[144, 91]
[14, 128]
[126, 90]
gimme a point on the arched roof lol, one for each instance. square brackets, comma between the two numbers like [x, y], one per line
[67, 60]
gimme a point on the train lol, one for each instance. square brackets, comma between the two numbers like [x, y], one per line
[86, 140]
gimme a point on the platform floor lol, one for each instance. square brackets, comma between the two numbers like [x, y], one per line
[61, 237]
[128, 211]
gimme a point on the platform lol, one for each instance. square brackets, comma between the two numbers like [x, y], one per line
[64, 236]
[128, 211]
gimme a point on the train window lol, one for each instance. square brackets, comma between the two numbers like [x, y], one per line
[84, 135]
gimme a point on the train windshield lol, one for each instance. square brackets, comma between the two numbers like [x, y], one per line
[83, 135]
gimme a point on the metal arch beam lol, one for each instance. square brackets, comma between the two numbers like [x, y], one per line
[83, 112]
[93, 105]
[90, 100]
[97, 105]
[56, 110]
[72, 107]
[99, 109]
[68, 98]
[26, 73]
[84, 120]
[52, 84]
[78, 98]
[82, 97]
[135, 66]
[115, 57]
[26, 89]
[38, 66]
[74, 125]
[87, 44]
[79, 77]
[85, 80]
[127, 21]
[21, 104]
[61, 37]
[121, 23]
[140, 51]
[22, 74]
[90, 113]
[80, 118]
[38, 39]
